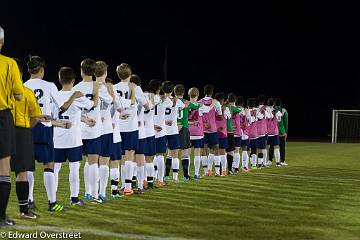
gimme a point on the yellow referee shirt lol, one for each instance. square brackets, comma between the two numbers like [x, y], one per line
[25, 109]
[10, 82]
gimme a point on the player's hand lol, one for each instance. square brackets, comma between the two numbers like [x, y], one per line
[207, 126]
[44, 118]
[124, 115]
[157, 128]
[169, 122]
[90, 122]
[120, 110]
[179, 127]
[77, 94]
[67, 125]
[132, 85]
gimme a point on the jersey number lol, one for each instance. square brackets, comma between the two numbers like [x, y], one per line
[167, 111]
[39, 94]
[126, 94]
[61, 116]
[180, 114]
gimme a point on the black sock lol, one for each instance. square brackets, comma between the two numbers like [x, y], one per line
[168, 166]
[5, 188]
[185, 164]
[114, 183]
[230, 160]
[22, 192]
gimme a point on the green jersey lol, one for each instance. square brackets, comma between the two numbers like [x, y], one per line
[183, 115]
[233, 109]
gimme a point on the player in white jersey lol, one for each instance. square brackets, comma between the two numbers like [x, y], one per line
[172, 131]
[107, 128]
[129, 126]
[92, 135]
[68, 142]
[161, 103]
[46, 93]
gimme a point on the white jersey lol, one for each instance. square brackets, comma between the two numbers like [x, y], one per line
[123, 91]
[159, 114]
[119, 103]
[87, 89]
[70, 138]
[141, 121]
[149, 119]
[106, 119]
[47, 95]
[171, 114]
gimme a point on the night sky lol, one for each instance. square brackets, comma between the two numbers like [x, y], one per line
[305, 53]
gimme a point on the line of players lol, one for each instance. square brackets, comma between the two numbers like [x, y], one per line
[126, 130]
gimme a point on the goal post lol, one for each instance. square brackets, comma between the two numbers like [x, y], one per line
[345, 126]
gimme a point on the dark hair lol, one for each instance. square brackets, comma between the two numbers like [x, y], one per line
[109, 80]
[270, 102]
[100, 68]
[231, 97]
[179, 90]
[88, 66]
[278, 102]
[35, 63]
[240, 101]
[135, 79]
[167, 87]
[251, 102]
[154, 85]
[66, 75]
[208, 90]
[123, 71]
[220, 96]
[261, 99]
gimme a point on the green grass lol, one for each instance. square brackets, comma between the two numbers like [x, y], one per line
[316, 197]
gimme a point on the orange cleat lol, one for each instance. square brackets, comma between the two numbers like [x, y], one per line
[161, 184]
[128, 192]
[210, 173]
[223, 174]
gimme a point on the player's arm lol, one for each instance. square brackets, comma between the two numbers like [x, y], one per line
[17, 86]
[285, 118]
[88, 121]
[104, 94]
[61, 124]
[140, 97]
[218, 107]
[235, 109]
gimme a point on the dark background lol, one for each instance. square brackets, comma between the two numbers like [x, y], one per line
[305, 53]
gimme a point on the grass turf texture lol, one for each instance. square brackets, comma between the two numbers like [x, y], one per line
[316, 197]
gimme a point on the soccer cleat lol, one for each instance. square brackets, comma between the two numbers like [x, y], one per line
[80, 203]
[55, 207]
[197, 177]
[96, 200]
[6, 222]
[145, 183]
[186, 179]
[161, 184]
[29, 215]
[223, 174]
[269, 164]
[116, 194]
[102, 197]
[283, 163]
[128, 192]
[139, 191]
[210, 173]
[278, 165]
[217, 175]
[88, 196]
[233, 170]
[246, 169]
[31, 205]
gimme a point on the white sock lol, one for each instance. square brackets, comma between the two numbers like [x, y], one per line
[223, 160]
[197, 162]
[122, 175]
[114, 177]
[245, 159]
[134, 170]
[30, 177]
[253, 159]
[128, 174]
[277, 154]
[49, 183]
[175, 167]
[86, 178]
[140, 176]
[104, 177]
[149, 172]
[210, 161]
[236, 161]
[155, 167]
[57, 167]
[204, 162]
[264, 152]
[74, 178]
[94, 179]
[217, 161]
[161, 163]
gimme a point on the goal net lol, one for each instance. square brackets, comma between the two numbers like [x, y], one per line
[345, 126]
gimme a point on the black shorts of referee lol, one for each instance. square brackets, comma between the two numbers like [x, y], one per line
[24, 159]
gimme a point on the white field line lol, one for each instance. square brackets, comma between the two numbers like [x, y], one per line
[93, 232]
[333, 179]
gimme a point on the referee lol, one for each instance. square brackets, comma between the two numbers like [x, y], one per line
[11, 88]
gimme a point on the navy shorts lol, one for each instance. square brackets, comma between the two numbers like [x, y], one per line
[129, 140]
[150, 146]
[198, 143]
[43, 143]
[274, 140]
[116, 151]
[223, 143]
[253, 143]
[106, 144]
[141, 146]
[245, 143]
[92, 146]
[173, 141]
[211, 139]
[237, 141]
[71, 154]
[160, 144]
[261, 142]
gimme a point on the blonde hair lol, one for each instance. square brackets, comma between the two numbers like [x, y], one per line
[100, 68]
[193, 92]
[123, 71]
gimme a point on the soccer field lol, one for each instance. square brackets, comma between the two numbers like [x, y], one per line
[316, 197]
